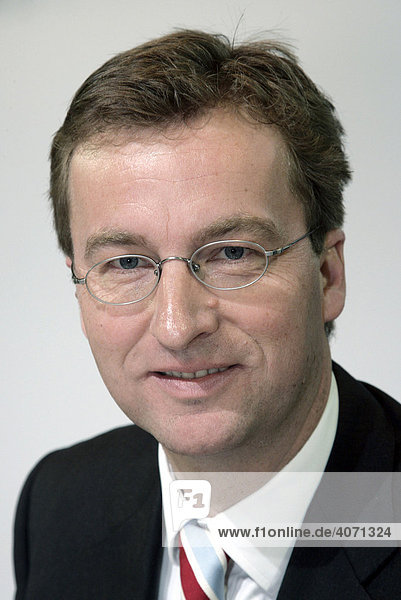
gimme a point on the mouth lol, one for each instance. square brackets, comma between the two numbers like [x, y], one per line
[189, 386]
[192, 375]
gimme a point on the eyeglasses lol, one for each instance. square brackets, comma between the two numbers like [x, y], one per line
[223, 265]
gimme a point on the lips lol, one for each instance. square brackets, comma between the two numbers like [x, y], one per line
[193, 375]
[188, 386]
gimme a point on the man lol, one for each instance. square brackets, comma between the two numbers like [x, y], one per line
[197, 195]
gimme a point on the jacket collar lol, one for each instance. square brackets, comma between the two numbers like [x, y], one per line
[364, 442]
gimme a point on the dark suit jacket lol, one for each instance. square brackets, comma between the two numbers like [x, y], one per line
[88, 524]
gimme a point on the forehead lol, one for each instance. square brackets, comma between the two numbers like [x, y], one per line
[174, 183]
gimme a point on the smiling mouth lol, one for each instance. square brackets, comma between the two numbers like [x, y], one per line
[194, 375]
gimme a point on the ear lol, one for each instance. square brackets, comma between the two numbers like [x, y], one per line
[68, 262]
[332, 275]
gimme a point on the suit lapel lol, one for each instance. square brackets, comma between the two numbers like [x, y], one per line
[134, 548]
[364, 442]
[124, 562]
[129, 558]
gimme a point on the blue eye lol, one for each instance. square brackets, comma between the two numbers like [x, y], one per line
[128, 262]
[234, 252]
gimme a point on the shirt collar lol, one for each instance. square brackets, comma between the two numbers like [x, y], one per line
[266, 564]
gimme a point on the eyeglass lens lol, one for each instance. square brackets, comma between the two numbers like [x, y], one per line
[225, 266]
[131, 278]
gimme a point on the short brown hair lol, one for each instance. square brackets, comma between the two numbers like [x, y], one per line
[179, 77]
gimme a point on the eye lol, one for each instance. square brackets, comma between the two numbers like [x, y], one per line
[125, 262]
[233, 252]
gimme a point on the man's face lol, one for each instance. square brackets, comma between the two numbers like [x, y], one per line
[156, 196]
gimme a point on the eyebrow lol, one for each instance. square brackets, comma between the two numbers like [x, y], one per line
[112, 237]
[244, 224]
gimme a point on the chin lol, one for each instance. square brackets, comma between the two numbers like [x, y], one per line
[197, 442]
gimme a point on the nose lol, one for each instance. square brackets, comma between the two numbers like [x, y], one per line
[183, 309]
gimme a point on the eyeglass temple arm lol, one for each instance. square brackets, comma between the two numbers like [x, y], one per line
[279, 251]
[76, 279]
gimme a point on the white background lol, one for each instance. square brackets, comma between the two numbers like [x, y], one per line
[52, 394]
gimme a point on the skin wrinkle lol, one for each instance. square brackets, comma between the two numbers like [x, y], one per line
[272, 330]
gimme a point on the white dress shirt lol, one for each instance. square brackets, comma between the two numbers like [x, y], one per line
[256, 572]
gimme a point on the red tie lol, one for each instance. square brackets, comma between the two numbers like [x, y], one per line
[202, 566]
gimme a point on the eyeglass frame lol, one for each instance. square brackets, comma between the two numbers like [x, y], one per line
[193, 267]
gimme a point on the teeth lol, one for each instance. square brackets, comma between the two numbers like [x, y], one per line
[195, 375]
[202, 373]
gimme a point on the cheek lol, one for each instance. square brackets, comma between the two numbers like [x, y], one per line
[111, 331]
[284, 320]
[270, 315]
